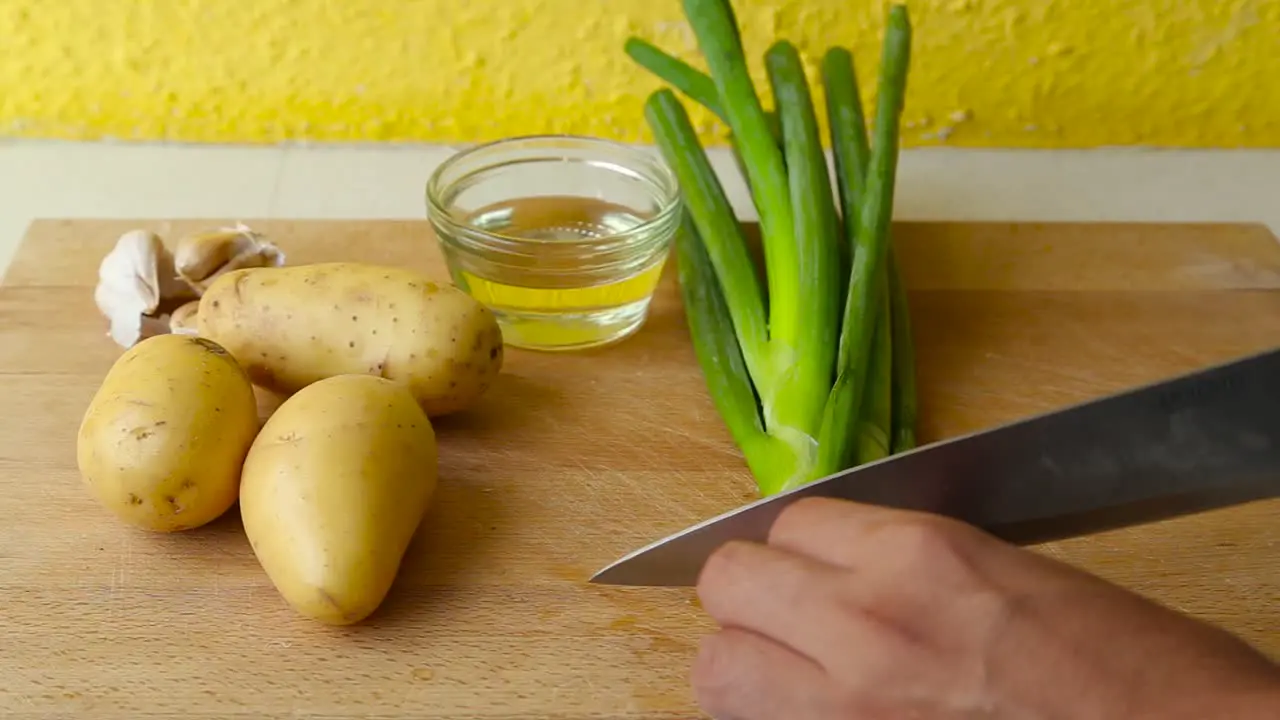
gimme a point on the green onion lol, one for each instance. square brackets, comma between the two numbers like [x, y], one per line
[874, 215]
[712, 226]
[806, 343]
[715, 27]
[712, 216]
[697, 85]
[850, 149]
[890, 405]
[875, 428]
[804, 370]
[679, 74]
[716, 347]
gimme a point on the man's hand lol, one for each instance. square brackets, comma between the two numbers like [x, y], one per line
[859, 613]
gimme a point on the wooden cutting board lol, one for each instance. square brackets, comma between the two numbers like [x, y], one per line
[568, 463]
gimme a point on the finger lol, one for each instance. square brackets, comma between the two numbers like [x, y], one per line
[831, 530]
[739, 675]
[857, 536]
[921, 577]
[788, 598]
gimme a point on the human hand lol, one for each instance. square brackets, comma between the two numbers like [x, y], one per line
[853, 612]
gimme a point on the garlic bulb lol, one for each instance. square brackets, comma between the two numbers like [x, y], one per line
[135, 281]
[202, 257]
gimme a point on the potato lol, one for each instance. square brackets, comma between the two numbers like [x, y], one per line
[292, 326]
[334, 488]
[162, 441]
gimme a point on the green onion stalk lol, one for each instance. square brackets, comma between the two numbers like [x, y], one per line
[811, 368]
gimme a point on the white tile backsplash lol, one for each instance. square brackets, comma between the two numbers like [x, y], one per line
[64, 179]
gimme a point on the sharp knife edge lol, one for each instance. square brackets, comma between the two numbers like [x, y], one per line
[1198, 441]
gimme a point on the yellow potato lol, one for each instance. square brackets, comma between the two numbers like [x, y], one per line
[292, 326]
[161, 443]
[334, 488]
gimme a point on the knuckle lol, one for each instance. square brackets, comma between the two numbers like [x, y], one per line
[923, 541]
[805, 507]
[994, 609]
[810, 504]
[799, 516]
[721, 567]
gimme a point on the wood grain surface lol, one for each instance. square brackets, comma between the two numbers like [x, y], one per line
[569, 462]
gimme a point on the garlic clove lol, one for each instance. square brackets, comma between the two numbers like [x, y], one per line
[200, 258]
[183, 319]
[136, 279]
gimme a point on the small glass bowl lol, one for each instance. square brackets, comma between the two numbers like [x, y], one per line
[563, 237]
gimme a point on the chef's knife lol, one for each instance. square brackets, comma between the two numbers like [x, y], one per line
[1200, 441]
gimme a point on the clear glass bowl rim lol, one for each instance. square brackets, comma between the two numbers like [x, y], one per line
[652, 168]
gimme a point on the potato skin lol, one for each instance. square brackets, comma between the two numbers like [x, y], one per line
[292, 326]
[162, 441]
[334, 488]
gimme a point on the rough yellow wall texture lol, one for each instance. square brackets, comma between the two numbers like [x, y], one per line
[1029, 73]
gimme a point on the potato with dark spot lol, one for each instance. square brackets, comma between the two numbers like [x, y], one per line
[335, 487]
[293, 326]
[162, 441]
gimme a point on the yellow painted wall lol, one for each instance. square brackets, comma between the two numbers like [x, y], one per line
[1041, 73]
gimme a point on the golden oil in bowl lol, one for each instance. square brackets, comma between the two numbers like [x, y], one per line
[564, 238]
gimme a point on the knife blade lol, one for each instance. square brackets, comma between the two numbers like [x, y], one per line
[1200, 441]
